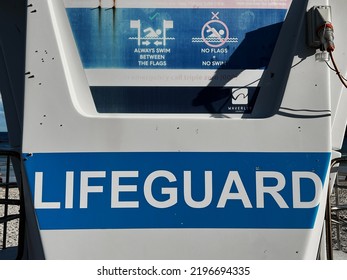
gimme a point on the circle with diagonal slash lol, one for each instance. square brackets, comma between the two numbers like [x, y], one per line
[219, 31]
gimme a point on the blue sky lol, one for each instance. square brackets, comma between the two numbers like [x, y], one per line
[2, 117]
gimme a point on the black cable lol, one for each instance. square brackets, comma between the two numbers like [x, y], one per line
[342, 79]
[331, 68]
[334, 70]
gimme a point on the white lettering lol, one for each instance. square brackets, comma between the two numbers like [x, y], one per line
[86, 188]
[297, 176]
[272, 190]
[234, 177]
[38, 203]
[69, 190]
[117, 188]
[187, 178]
[161, 188]
[172, 192]
[144, 50]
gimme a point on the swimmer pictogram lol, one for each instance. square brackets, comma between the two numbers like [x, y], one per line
[215, 33]
[147, 35]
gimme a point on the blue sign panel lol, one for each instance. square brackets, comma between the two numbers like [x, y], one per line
[176, 190]
[168, 38]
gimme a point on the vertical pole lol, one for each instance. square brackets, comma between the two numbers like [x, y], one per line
[338, 228]
[4, 241]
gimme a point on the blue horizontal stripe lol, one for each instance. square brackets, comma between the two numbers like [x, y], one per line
[99, 214]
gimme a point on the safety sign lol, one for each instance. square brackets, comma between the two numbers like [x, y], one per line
[186, 190]
[181, 38]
